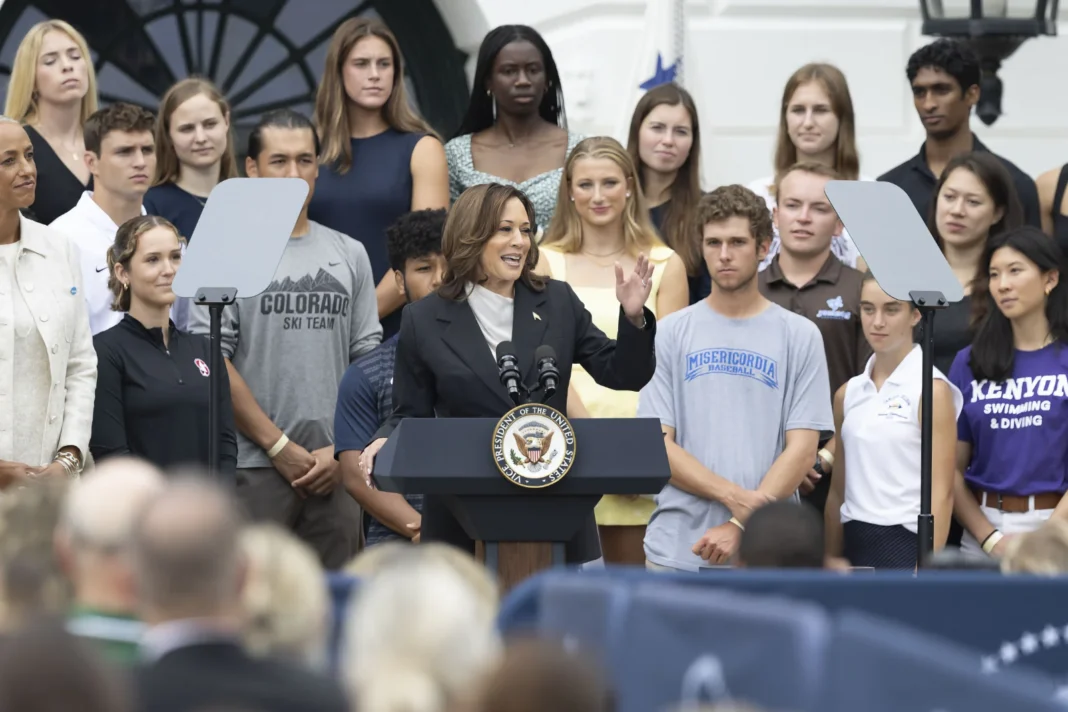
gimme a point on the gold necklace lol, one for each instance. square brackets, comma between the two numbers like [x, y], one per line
[606, 254]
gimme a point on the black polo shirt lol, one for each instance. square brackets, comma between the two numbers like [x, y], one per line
[915, 178]
[152, 400]
[831, 300]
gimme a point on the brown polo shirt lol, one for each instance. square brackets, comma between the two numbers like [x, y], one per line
[832, 301]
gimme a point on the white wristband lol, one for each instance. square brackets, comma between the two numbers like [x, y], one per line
[992, 541]
[278, 446]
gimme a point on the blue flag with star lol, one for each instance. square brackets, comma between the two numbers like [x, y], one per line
[662, 74]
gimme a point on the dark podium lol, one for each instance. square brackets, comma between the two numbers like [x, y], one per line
[519, 530]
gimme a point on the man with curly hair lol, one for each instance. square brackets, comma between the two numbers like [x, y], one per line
[945, 77]
[365, 398]
[741, 392]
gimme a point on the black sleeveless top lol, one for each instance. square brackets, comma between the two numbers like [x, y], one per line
[58, 190]
[1060, 221]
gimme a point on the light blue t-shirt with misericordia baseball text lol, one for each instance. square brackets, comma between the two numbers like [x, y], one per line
[730, 388]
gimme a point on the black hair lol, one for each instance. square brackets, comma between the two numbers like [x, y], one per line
[279, 119]
[993, 348]
[479, 115]
[955, 58]
[783, 534]
[414, 235]
[992, 173]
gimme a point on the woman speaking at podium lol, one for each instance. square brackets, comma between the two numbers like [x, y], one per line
[446, 353]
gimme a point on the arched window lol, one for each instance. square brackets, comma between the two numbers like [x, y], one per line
[263, 54]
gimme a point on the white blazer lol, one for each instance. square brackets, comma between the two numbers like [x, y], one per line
[48, 275]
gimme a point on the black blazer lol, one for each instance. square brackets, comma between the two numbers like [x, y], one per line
[444, 366]
[220, 675]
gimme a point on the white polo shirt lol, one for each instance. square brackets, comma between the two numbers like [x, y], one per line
[92, 232]
[881, 435]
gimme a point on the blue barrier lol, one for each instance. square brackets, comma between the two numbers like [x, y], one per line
[681, 644]
[674, 638]
[1008, 622]
[877, 666]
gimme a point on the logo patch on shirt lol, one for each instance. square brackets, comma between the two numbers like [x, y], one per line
[733, 362]
[895, 407]
[835, 310]
[311, 302]
[204, 370]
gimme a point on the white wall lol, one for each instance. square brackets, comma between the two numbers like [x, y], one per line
[740, 53]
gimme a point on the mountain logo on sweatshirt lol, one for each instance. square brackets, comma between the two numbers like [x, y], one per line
[323, 281]
[313, 302]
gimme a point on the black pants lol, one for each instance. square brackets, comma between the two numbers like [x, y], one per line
[439, 525]
[878, 546]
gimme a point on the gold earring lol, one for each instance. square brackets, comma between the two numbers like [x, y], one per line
[125, 286]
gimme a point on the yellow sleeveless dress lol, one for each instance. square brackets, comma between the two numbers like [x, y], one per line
[602, 402]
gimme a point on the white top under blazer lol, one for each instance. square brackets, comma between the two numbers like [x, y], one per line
[881, 435]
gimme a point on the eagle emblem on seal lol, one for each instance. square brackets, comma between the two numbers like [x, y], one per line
[533, 449]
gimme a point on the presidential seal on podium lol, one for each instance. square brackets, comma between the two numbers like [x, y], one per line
[534, 445]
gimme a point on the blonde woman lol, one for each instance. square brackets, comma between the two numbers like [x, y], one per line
[419, 636]
[47, 361]
[52, 92]
[601, 221]
[816, 123]
[286, 600]
[380, 159]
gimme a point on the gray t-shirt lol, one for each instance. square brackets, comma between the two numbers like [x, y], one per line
[293, 342]
[730, 388]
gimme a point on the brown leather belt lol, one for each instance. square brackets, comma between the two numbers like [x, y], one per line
[1014, 503]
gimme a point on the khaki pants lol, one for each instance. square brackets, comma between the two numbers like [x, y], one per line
[330, 524]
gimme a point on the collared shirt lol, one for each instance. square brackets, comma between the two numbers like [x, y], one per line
[881, 433]
[163, 638]
[831, 300]
[916, 179]
[92, 231]
[152, 400]
[116, 637]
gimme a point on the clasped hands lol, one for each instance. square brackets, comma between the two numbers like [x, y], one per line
[719, 543]
[315, 472]
[13, 473]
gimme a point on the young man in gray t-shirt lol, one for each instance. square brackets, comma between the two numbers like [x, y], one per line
[287, 350]
[741, 392]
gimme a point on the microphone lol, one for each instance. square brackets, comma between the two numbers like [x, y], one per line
[508, 368]
[548, 373]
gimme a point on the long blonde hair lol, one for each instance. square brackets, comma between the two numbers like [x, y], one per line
[565, 231]
[167, 167]
[331, 117]
[21, 103]
[828, 76]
